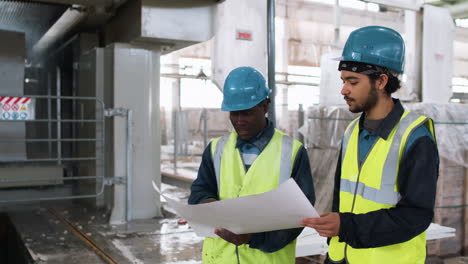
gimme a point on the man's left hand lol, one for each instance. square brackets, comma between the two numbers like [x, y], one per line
[231, 237]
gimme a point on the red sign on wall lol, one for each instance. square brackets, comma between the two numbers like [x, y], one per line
[244, 35]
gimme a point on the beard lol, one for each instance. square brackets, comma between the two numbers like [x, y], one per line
[371, 101]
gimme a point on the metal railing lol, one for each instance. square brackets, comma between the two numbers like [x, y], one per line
[72, 148]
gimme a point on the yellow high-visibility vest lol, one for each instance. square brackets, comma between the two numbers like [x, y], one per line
[373, 186]
[272, 167]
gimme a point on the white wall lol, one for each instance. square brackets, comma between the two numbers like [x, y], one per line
[229, 52]
[437, 57]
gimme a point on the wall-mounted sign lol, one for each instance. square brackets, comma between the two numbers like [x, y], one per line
[17, 108]
[244, 35]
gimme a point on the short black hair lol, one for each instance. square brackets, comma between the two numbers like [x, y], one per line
[393, 83]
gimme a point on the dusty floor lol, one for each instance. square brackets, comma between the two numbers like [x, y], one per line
[66, 232]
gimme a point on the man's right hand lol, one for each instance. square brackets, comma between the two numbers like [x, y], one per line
[327, 225]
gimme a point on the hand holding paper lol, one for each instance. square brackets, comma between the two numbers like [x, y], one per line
[281, 208]
[328, 225]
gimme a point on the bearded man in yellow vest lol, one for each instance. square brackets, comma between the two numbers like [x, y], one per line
[385, 183]
[253, 159]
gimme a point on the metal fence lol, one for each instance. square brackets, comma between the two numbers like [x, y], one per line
[51, 148]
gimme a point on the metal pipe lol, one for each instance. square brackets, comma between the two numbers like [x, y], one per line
[176, 75]
[63, 97]
[300, 123]
[175, 110]
[51, 179]
[205, 127]
[52, 159]
[271, 58]
[337, 23]
[120, 212]
[101, 191]
[64, 24]
[55, 120]
[298, 83]
[49, 112]
[407, 5]
[129, 163]
[103, 145]
[51, 140]
[59, 115]
[458, 10]
[60, 48]
[79, 2]
[174, 127]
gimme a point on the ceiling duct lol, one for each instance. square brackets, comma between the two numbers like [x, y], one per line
[70, 18]
[79, 2]
[459, 10]
[169, 25]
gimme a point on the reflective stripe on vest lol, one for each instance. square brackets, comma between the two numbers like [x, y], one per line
[349, 130]
[386, 194]
[372, 185]
[285, 165]
[217, 156]
[271, 167]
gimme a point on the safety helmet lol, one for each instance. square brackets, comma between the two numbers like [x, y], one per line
[243, 89]
[376, 45]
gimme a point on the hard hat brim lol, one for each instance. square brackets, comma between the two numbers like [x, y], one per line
[340, 58]
[238, 107]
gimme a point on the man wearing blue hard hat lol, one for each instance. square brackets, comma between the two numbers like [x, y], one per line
[253, 159]
[386, 176]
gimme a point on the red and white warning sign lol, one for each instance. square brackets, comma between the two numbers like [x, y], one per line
[16, 108]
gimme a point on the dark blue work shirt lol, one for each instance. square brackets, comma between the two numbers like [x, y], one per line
[205, 186]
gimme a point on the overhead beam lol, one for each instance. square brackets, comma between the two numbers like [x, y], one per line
[64, 24]
[78, 2]
[403, 4]
[459, 10]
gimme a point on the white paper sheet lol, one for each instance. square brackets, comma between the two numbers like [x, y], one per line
[281, 208]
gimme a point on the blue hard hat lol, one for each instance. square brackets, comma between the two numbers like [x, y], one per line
[243, 89]
[376, 45]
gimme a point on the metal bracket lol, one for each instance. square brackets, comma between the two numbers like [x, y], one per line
[115, 180]
[115, 112]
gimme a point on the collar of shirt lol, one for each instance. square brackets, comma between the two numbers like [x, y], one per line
[261, 139]
[388, 123]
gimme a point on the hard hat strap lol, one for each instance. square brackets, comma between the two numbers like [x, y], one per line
[363, 68]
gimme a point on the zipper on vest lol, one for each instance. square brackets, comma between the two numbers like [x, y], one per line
[237, 254]
[356, 186]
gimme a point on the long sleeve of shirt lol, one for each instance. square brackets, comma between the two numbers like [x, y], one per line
[417, 180]
[205, 187]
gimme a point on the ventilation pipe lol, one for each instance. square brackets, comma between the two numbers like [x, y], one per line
[70, 18]
[458, 10]
[271, 58]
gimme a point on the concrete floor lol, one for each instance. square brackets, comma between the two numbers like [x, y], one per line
[45, 229]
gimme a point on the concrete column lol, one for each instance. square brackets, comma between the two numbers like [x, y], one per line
[136, 87]
[413, 37]
[282, 59]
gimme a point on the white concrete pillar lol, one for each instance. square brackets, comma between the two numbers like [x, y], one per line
[437, 64]
[136, 74]
[282, 61]
[241, 38]
[413, 36]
